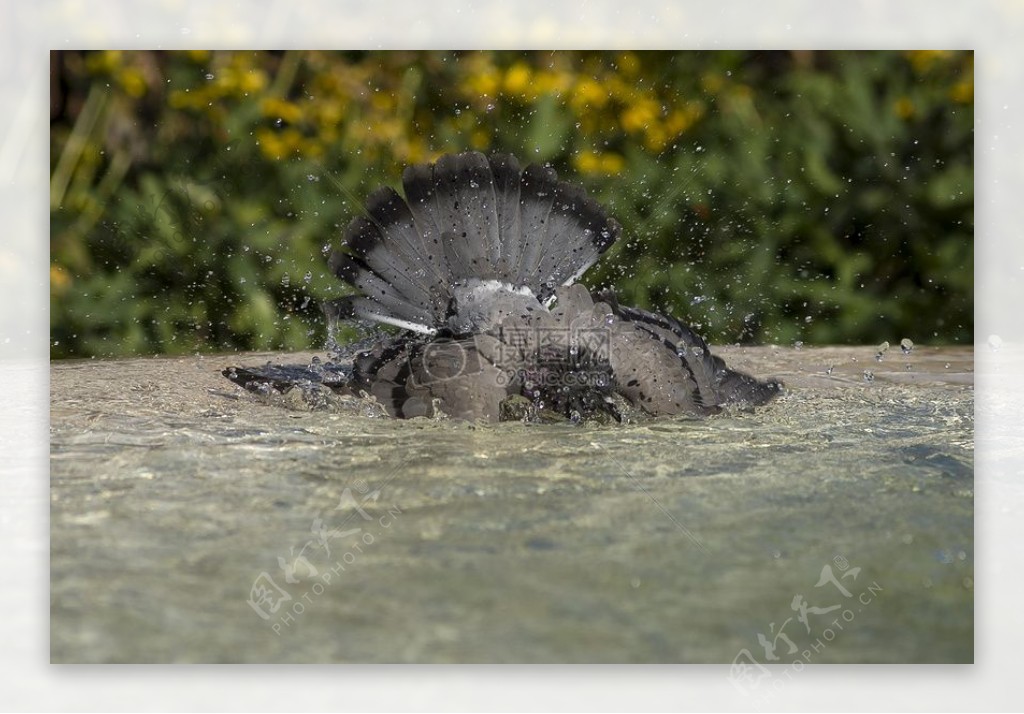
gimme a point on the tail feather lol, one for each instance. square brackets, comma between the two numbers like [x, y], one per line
[468, 227]
[371, 252]
[418, 183]
[579, 232]
[507, 175]
[363, 308]
[379, 290]
[435, 229]
[536, 194]
[391, 214]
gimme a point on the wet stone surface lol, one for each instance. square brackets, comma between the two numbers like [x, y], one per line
[194, 522]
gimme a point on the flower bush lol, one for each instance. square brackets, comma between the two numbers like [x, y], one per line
[823, 197]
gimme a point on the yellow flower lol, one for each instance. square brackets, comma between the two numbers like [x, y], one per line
[923, 60]
[679, 120]
[292, 141]
[612, 163]
[252, 81]
[60, 280]
[517, 79]
[484, 83]
[180, 99]
[591, 162]
[385, 130]
[587, 162]
[104, 62]
[550, 82]
[588, 94]
[962, 92]
[270, 144]
[656, 138]
[904, 108]
[224, 81]
[281, 109]
[629, 64]
[415, 151]
[382, 101]
[132, 82]
[712, 82]
[640, 115]
[328, 113]
[480, 140]
[621, 89]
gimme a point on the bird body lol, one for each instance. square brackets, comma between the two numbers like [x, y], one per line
[478, 265]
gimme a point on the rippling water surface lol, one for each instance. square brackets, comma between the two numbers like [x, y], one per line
[193, 522]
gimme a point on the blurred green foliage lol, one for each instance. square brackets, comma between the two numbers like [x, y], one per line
[823, 197]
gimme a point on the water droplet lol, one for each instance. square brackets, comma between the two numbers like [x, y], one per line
[906, 345]
[315, 366]
[869, 376]
[882, 349]
[995, 342]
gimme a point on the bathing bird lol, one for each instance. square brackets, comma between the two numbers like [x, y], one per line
[477, 267]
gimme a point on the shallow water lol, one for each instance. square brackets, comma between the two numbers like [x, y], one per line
[182, 506]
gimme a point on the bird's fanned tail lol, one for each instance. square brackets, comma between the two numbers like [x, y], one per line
[468, 220]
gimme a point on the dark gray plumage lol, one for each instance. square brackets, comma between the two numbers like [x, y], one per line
[478, 265]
